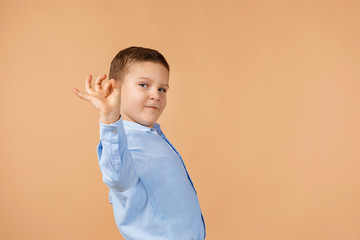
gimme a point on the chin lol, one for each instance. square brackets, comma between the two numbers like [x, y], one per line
[147, 123]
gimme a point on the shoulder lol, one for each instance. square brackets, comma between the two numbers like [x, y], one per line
[139, 139]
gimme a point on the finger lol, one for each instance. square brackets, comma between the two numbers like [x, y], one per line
[88, 87]
[116, 87]
[98, 82]
[80, 94]
[107, 89]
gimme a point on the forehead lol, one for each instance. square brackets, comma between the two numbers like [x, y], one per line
[148, 70]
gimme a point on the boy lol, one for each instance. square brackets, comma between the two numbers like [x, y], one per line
[150, 190]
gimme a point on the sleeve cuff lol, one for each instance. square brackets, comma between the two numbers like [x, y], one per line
[111, 124]
[110, 132]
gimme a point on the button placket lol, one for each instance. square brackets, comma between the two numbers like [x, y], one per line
[158, 132]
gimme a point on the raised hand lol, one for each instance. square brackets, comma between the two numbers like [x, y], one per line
[106, 100]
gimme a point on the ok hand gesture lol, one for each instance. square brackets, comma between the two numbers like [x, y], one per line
[106, 100]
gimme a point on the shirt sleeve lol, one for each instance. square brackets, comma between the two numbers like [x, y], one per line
[115, 160]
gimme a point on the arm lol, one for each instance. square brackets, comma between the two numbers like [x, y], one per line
[115, 160]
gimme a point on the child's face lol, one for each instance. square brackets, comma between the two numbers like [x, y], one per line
[143, 92]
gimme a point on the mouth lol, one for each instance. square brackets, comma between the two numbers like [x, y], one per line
[151, 107]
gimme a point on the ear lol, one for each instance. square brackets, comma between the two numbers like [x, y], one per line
[115, 84]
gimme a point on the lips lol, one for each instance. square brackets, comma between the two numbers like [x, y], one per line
[151, 107]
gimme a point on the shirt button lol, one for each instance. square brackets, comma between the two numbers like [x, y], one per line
[115, 131]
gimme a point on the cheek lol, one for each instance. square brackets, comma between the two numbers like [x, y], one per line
[164, 103]
[133, 98]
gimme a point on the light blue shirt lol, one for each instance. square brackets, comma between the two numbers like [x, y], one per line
[152, 195]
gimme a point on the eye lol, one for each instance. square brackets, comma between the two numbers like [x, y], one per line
[143, 85]
[162, 90]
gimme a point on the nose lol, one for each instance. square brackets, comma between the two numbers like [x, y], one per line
[155, 95]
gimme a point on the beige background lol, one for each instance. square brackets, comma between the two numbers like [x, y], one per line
[263, 107]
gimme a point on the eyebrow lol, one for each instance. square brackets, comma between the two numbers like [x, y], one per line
[149, 79]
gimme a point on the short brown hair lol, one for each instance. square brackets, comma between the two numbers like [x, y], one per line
[127, 56]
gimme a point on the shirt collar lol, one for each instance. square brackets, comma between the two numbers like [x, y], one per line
[139, 127]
